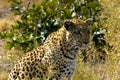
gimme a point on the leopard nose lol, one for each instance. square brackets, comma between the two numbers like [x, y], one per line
[86, 43]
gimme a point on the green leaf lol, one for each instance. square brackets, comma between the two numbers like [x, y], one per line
[9, 45]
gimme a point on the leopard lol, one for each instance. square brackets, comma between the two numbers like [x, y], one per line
[56, 59]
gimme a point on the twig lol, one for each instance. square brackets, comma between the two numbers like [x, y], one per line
[28, 4]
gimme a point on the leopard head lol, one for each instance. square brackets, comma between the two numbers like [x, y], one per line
[78, 31]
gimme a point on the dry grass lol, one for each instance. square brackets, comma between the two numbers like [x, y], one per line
[4, 3]
[3, 75]
[4, 25]
[110, 69]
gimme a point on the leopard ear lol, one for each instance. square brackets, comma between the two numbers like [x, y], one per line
[89, 21]
[68, 24]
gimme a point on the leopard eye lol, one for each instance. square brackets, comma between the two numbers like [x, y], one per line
[79, 33]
